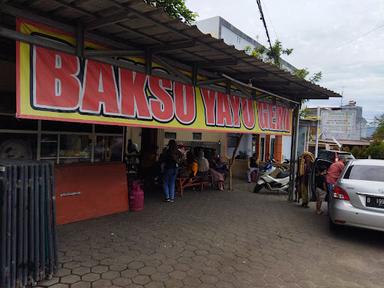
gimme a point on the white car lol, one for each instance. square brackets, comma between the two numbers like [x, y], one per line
[358, 197]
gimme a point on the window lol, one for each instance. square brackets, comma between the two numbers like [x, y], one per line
[75, 148]
[170, 135]
[61, 142]
[18, 146]
[108, 148]
[365, 173]
[197, 136]
[232, 140]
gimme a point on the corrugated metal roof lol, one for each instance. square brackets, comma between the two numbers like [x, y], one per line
[138, 25]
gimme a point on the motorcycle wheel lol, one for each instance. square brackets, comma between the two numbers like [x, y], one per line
[257, 188]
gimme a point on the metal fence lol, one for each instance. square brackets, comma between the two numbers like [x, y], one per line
[28, 230]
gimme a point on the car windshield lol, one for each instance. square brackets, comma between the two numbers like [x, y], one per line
[365, 172]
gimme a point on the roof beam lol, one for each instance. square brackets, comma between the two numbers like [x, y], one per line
[175, 46]
[224, 62]
[247, 86]
[171, 69]
[102, 22]
[17, 36]
[210, 81]
[113, 53]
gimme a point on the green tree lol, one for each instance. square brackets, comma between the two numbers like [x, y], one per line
[274, 55]
[378, 135]
[175, 8]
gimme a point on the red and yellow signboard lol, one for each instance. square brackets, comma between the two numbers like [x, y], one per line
[54, 85]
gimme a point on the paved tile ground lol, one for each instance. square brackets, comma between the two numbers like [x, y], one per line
[217, 239]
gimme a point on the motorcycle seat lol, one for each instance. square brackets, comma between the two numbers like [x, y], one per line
[282, 174]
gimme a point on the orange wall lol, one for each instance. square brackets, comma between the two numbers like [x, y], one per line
[278, 148]
[100, 189]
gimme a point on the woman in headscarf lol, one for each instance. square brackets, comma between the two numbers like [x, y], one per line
[171, 160]
[305, 169]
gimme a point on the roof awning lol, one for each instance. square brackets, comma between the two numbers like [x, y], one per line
[133, 28]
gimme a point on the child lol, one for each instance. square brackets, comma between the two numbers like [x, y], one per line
[321, 189]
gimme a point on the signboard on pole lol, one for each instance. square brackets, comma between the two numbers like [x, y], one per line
[53, 85]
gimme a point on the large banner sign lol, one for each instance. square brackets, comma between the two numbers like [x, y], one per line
[53, 85]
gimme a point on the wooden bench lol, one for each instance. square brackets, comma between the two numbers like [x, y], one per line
[185, 182]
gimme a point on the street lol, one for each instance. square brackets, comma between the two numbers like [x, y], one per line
[218, 239]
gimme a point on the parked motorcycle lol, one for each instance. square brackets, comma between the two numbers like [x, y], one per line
[275, 180]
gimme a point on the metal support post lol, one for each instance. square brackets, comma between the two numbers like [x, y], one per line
[317, 132]
[293, 160]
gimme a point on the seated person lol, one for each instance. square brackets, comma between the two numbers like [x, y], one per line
[218, 172]
[190, 167]
[220, 165]
[203, 165]
[252, 166]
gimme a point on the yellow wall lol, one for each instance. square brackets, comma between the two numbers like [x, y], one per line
[134, 133]
[184, 135]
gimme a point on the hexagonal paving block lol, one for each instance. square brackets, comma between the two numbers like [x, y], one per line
[135, 265]
[192, 281]
[174, 283]
[118, 268]
[208, 279]
[81, 270]
[147, 270]
[141, 279]
[89, 263]
[81, 284]
[99, 269]
[224, 284]
[165, 268]
[59, 285]
[178, 275]
[129, 273]
[71, 265]
[63, 272]
[123, 282]
[159, 276]
[70, 279]
[154, 284]
[110, 275]
[90, 277]
[182, 267]
[101, 283]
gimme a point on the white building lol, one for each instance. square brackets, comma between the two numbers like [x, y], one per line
[219, 28]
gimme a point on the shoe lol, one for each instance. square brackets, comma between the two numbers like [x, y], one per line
[171, 200]
[305, 205]
[167, 200]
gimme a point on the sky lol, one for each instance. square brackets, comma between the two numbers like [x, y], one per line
[343, 39]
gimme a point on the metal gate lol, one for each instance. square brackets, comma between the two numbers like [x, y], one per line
[28, 230]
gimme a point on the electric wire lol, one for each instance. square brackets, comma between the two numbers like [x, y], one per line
[258, 2]
[361, 36]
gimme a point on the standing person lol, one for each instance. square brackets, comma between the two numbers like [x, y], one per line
[334, 172]
[306, 163]
[252, 166]
[171, 158]
[321, 189]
